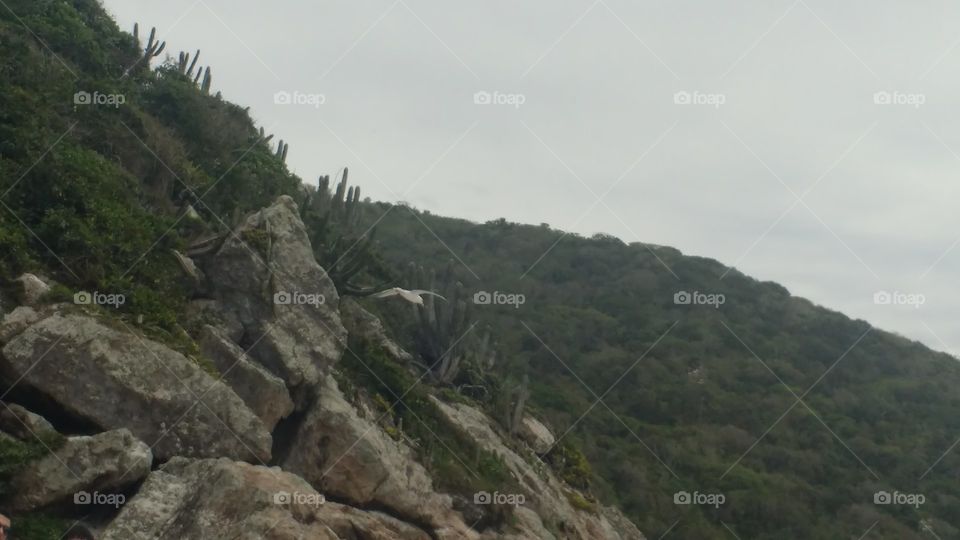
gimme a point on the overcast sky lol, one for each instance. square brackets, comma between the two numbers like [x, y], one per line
[778, 156]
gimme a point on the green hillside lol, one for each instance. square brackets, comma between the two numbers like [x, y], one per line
[795, 414]
[689, 389]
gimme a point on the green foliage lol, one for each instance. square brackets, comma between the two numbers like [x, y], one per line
[698, 400]
[39, 527]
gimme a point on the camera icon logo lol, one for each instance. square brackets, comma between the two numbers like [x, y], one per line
[282, 98]
[82, 98]
[882, 298]
[83, 298]
[81, 497]
[281, 497]
[682, 497]
[481, 497]
[682, 298]
[882, 98]
[882, 497]
[482, 298]
[682, 98]
[482, 98]
[282, 298]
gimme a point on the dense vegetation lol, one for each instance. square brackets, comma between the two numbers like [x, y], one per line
[693, 398]
[684, 397]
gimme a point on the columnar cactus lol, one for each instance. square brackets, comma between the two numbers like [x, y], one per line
[152, 49]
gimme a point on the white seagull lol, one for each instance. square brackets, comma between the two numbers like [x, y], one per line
[414, 296]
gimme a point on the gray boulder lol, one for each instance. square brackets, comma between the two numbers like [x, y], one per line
[266, 277]
[82, 470]
[24, 424]
[217, 499]
[114, 378]
[33, 288]
[353, 459]
[263, 392]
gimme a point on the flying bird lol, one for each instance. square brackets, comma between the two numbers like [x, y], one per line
[414, 296]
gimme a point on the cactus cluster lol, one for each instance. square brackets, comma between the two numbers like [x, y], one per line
[442, 334]
[333, 219]
[201, 76]
[151, 50]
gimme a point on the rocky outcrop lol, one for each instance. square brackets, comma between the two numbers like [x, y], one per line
[365, 325]
[266, 278]
[543, 492]
[265, 393]
[83, 466]
[24, 424]
[353, 459]
[221, 499]
[113, 378]
[537, 435]
[32, 289]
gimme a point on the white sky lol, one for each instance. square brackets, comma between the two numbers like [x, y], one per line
[797, 79]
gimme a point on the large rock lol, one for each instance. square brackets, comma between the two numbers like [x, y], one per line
[263, 392]
[544, 493]
[106, 464]
[537, 435]
[114, 378]
[353, 459]
[361, 323]
[220, 499]
[32, 288]
[23, 424]
[266, 277]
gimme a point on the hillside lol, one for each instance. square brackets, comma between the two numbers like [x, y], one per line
[137, 181]
[693, 387]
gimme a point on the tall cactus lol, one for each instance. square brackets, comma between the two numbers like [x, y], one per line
[205, 85]
[185, 66]
[282, 149]
[151, 50]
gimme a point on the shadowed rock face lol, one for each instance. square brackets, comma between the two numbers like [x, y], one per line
[265, 278]
[221, 499]
[265, 393]
[105, 463]
[115, 378]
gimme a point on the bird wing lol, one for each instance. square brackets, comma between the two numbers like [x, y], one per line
[389, 292]
[431, 293]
